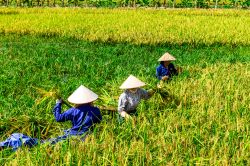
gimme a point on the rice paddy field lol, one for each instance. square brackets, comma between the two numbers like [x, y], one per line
[204, 119]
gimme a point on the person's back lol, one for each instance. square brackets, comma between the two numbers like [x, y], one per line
[82, 117]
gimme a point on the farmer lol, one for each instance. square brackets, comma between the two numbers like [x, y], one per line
[132, 95]
[166, 69]
[83, 116]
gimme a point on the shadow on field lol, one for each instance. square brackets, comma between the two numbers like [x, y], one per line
[9, 12]
[123, 52]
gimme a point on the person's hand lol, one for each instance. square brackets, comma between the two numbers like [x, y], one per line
[164, 78]
[128, 116]
[125, 115]
[151, 91]
[179, 69]
[59, 101]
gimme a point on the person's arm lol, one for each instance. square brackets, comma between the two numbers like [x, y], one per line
[158, 73]
[172, 69]
[61, 117]
[122, 105]
[145, 94]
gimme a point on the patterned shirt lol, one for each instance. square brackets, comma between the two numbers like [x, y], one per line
[129, 101]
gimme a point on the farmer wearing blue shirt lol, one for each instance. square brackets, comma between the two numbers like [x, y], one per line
[83, 116]
[166, 69]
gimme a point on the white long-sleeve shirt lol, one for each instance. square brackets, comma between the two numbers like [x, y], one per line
[128, 101]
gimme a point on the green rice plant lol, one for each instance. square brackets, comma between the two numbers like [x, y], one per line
[199, 117]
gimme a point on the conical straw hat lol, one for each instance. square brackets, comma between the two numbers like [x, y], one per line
[132, 82]
[82, 95]
[167, 57]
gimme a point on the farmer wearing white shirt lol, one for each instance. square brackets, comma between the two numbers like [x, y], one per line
[131, 97]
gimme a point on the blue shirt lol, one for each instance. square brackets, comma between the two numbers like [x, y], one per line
[17, 140]
[161, 71]
[82, 117]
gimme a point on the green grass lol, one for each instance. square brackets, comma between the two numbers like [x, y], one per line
[204, 120]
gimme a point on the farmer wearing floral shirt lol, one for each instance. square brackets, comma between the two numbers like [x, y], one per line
[83, 116]
[131, 97]
[166, 69]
